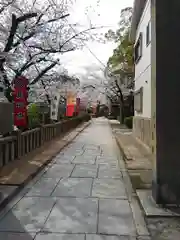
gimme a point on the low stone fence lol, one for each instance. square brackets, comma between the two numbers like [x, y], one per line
[21, 143]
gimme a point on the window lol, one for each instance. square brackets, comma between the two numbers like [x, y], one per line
[148, 34]
[138, 49]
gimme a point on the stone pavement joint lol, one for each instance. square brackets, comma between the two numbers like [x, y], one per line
[80, 195]
[137, 157]
[15, 175]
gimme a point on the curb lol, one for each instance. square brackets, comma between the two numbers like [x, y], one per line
[121, 149]
[30, 177]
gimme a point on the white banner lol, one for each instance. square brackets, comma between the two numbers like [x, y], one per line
[55, 106]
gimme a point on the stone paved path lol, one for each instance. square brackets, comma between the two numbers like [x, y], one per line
[81, 195]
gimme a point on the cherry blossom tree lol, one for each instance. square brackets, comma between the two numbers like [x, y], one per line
[33, 36]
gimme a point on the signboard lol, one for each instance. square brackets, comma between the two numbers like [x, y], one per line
[77, 105]
[20, 101]
[70, 104]
[55, 106]
[71, 99]
[70, 109]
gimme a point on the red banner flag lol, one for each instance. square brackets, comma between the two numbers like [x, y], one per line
[20, 101]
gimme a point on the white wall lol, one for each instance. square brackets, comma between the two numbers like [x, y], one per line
[143, 67]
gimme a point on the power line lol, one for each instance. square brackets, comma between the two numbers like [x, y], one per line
[93, 54]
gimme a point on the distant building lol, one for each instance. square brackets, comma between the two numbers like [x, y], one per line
[141, 35]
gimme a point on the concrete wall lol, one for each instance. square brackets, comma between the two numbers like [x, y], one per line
[142, 129]
[143, 79]
[143, 67]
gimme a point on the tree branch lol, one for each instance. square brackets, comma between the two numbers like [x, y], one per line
[29, 64]
[14, 26]
[26, 16]
[44, 71]
[40, 24]
[51, 50]
[13, 29]
[54, 19]
[77, 34]
[41, 15]
[120, 92]
[5, 6]
[24, 39]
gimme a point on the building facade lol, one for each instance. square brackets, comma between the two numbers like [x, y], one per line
[141, 36]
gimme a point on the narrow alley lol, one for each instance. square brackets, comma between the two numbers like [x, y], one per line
[81, 195]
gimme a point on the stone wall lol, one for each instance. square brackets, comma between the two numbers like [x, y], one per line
[142, 129]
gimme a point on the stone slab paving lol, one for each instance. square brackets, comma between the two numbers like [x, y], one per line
[73, 187]
[29, 215]
[16, 236]
[64, 159]
[59, 171]
[43, 187]
[5, 191]
[106, 160]
[81, 195]
[115, 217]
[109, 171]
[109, 188]
[73, 215]
[85, 170]
[57, 236]
[85, 159]
[108, 237]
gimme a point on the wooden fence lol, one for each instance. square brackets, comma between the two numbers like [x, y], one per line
[21, 143]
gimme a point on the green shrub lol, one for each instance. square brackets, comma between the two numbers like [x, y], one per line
[33, 116]
[129, 122]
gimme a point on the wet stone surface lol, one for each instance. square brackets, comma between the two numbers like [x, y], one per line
[29, 215]
[80, 195]
[5, 191]
[164, 228]
[74, 187]
[85, 170]
[109, 171]
[115, 217]
[73, 215]
[17, 236]
[108, 188]
[57, 236]
[59, 171]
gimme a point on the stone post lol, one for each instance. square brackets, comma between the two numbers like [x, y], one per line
[165, 127]
[41, 135]
[19, 145]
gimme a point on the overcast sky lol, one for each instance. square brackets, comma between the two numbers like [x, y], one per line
[106, 13]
